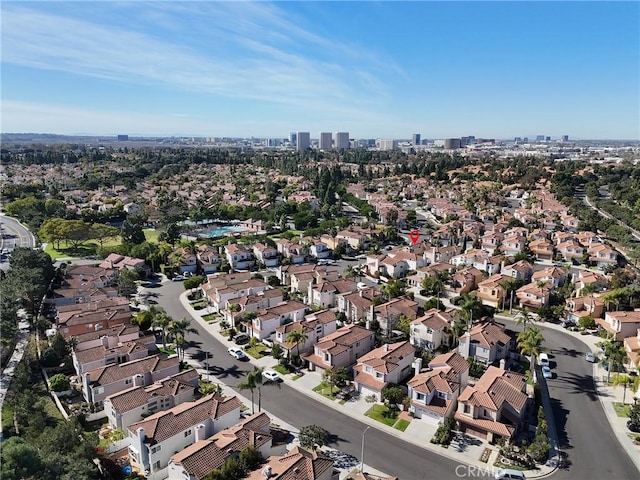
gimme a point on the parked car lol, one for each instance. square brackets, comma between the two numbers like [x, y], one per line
[616, 367]
[241, 339]
[546, 372]
[177, 278]
[272, 376]
[543, 359]
[509, 474]
[633, 426]
[237, 353]
[590, 357]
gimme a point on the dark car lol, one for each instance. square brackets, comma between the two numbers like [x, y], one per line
[633, 426]
[241, 339]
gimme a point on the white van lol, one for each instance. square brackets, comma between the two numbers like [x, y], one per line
[543, 360]
[509, 474]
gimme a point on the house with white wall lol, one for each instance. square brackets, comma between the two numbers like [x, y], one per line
[158, 437]
[388, 364]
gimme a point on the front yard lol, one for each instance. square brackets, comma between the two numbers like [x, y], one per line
[383, 414]
[326, 390]
[622, 410]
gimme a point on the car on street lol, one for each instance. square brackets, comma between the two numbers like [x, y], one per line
[543, 359]
[546, 372]
[237, 353]
[272, 376]
[177, 278]
[589, 357]
[509, 474]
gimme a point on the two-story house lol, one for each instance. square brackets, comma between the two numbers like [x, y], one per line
[434, 391]
[298, 463]
[356, 306]
[319, 250]
[485, 343]
[341, 348]
[554, 275]
[315, 326]
[157, 438]
[492, 291]
[578, 307]
[209, 259]
[632, 347]
[388, 314]
[391, 363]
[620, 324]
[465, 280]
[265, 324]
[521, 270]
[602, 255]
[98, 384]
[324, 294]
[495, 407]
[132, 405]
[238, 257]
[73, 320]
[542, 248]
[185, 260]
[198, 460]
[534, 295]
[431, 330]
[111, 353]
[266, 255]
[291, 250]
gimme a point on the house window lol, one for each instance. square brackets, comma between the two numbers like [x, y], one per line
[421, 396]
[155, 449]
[467, 408]
[98, 390]
[156, 465]
[187, 433]
[128, 381]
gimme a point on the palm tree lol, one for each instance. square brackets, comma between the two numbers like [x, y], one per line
[178, 331]
[525, 318]
[162, 321]
[529, 343]
[613, 353]
[250, 383]
[297, 337]
[260, 381]
[457, 329]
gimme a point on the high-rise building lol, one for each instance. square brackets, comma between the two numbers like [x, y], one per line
[303, 141]
[123, 138]
[326, 141]
[387, 144]
[342, 140]
[451, 143]
[565, 138]
[293, 139]
[539, 138]
[547, 139]
[415, 139]
[470, 140]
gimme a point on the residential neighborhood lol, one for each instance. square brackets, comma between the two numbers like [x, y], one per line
[439, 339]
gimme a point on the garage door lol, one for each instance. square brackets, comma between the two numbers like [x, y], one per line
[473, 432]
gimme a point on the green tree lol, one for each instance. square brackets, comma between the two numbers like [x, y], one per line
[297, 336]
[102, 232]
[162, 321]
[132, 231]
[177, 330]
[613, 353]
[586, 322]
[313, 436]
[127, 285]
[524, 318]
[530, 342]
[393, 394]
[333, 377]
[20, 460]
[250, 383]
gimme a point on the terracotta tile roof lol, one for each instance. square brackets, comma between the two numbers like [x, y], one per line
[297, 464]
[166, 424]
[453, 361]
[429, 381]
[434, 319]
[487, 334]
[115, 331]
[126, 348]
[343, 338]
[438, 405]
[135, 397]
[495, 387]
[112, 373]
[200, 458]
[387, 358]
[488, 425]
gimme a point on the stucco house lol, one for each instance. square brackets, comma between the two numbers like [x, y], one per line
[341, 348]
[390, 363]
[485, 342]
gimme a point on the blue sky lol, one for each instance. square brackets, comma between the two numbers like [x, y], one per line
[375, 69]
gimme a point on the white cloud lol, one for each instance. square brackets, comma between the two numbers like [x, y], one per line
[246, 54]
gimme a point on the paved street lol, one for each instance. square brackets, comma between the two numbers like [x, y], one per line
[12, 235]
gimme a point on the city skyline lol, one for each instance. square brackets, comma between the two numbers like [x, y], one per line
[375, 70]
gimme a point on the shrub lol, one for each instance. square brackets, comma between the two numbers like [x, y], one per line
[59, 382]
[539, 450]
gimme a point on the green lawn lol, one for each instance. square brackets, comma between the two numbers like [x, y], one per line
[259, 351]
[211, 317]
[151, 235]
[282, 370]
[402, 424]
[168, 351]
[325, 390]
[382, 414]
[85, 249]
[622, 410]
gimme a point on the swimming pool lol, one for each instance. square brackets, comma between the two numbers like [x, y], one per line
[221, 231]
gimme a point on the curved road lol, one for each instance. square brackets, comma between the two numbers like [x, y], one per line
[14, 235]
[593, 451]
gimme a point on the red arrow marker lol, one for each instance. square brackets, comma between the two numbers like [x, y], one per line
[414, 235]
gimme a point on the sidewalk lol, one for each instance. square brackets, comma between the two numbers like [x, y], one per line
[463, 449]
